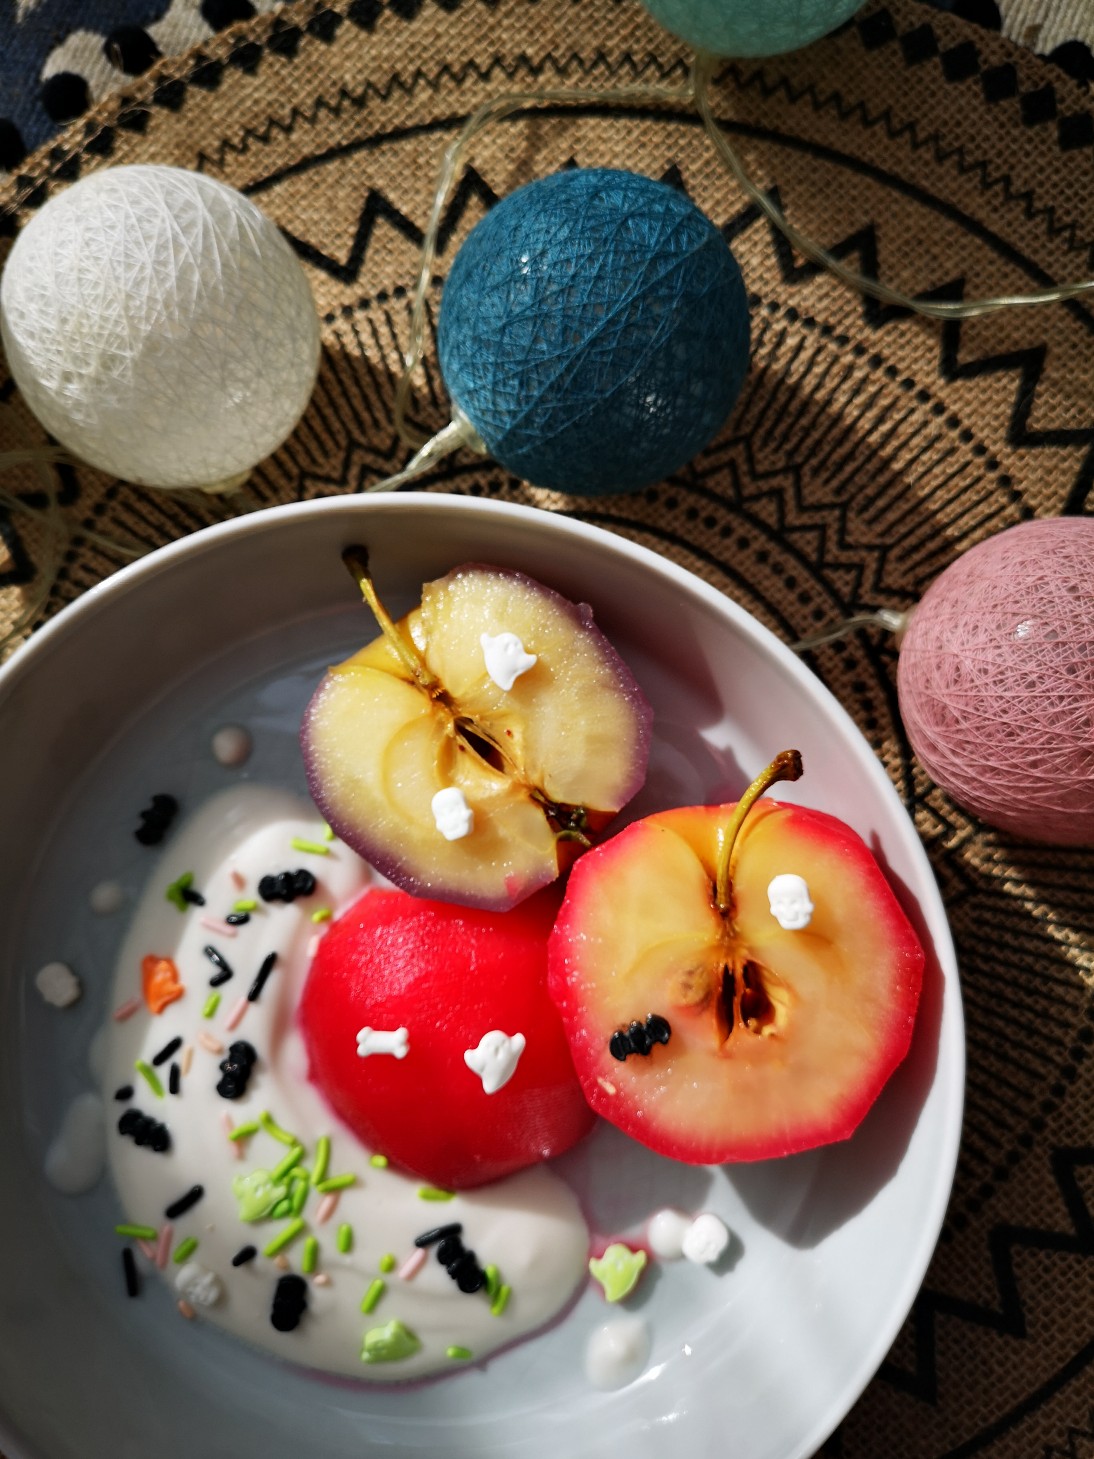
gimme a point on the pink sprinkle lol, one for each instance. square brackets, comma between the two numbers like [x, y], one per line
[239, 881]
[326, 1208]
[321, 1279]
[186, 1310]
[147, 1249]
[237, 1145]
[187, 1058]
[126, 1010]
[413, 1264]
[163, 1248]
[215, 925]
[207, 1041]
[235, 1018]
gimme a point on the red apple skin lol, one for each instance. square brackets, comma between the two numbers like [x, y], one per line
[447, 974]
[638, 927]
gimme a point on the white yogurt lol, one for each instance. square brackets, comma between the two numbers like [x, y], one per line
[529, 1226]
[617, 1351]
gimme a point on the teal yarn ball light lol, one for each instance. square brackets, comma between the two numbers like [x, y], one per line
[750, 27]
[594, 330]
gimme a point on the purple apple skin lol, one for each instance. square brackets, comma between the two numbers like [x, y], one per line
[577, 725]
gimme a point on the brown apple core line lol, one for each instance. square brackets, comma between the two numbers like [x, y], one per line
[743, 1002]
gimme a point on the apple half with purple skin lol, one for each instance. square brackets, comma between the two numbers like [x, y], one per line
[706, 1020]
[539, 751]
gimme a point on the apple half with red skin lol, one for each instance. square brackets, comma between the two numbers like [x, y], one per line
[541, 763]
[778, 1040]
[449, 976]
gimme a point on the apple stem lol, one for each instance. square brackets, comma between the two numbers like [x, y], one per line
[356, 559]
[787, 765]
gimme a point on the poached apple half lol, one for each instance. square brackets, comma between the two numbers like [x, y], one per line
[472, 748]
[737, 982]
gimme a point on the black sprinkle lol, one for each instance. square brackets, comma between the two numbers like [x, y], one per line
[244, 1255]
[255, 990]
[129, 1266]
[166, 1052]
[143, 1130]
[124, 1093]
[174, 1079]
[236, 1069]
[290, 1303]
[286, 886]
[237, 919]
[156, 820]
[438, 1233]
[185, 1203]
[194, 898]
[220, 962]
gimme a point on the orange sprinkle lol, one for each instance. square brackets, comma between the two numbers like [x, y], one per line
[187, 1058]
[186, 1310]
[281, 1263]
[321, 1279]
[160, 982]
[207, 1041]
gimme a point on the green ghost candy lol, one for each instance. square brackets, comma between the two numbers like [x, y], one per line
[257, 1194]
[618, 1270]
[389, 1343]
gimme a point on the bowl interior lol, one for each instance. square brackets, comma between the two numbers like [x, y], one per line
[118, 699]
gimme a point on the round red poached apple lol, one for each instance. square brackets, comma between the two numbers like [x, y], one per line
[448, 975]
[780, 1040]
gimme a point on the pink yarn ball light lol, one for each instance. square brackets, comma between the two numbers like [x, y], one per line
[996, 681]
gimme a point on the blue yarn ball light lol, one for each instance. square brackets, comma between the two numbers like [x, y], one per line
[750, 27]
[594, 330]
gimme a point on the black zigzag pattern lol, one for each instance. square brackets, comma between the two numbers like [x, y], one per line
[1008, 1318]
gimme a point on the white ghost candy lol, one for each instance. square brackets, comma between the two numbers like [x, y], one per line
[453, 816]
[505, 658]
[495, 1059]
[198, 1285]
[705, 1239]
[788, 896]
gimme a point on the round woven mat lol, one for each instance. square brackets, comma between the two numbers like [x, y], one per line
[867, 451]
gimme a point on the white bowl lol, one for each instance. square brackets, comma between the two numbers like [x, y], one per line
[116, 699]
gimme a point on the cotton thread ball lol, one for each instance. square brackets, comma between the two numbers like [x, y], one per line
[751, 27]
[159, 326]
[996, 681]
[594, 330]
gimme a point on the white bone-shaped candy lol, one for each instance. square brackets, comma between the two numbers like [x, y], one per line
[454, 818]
[505, 658]
[788, 897]
[382, 1041]
[495, 1058]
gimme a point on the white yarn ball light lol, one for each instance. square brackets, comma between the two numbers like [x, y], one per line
[159, 326]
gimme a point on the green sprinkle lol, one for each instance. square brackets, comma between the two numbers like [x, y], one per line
[434, 1193]
[212, 1003]
[310, 1260]
[248, 904]
[379, 1161]
[138, 1233]
[388, 1262]
[463, 1354]
[322, 1159]
[316, 848]
[300, 1172]
[493, 1281]
[294, 1157]
[150, 1076]
[376, 1289]
[322, 914]
[328, 834]
[285, 1237]
[345, 1238]
[175, 893]
[184, 1249]
[242, 1131]
[283, 1208]
[270, 1125]
[299, 1196]
[335, 1183]
[501, 1301]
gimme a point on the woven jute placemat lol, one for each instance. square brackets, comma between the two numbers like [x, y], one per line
[868, 450]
